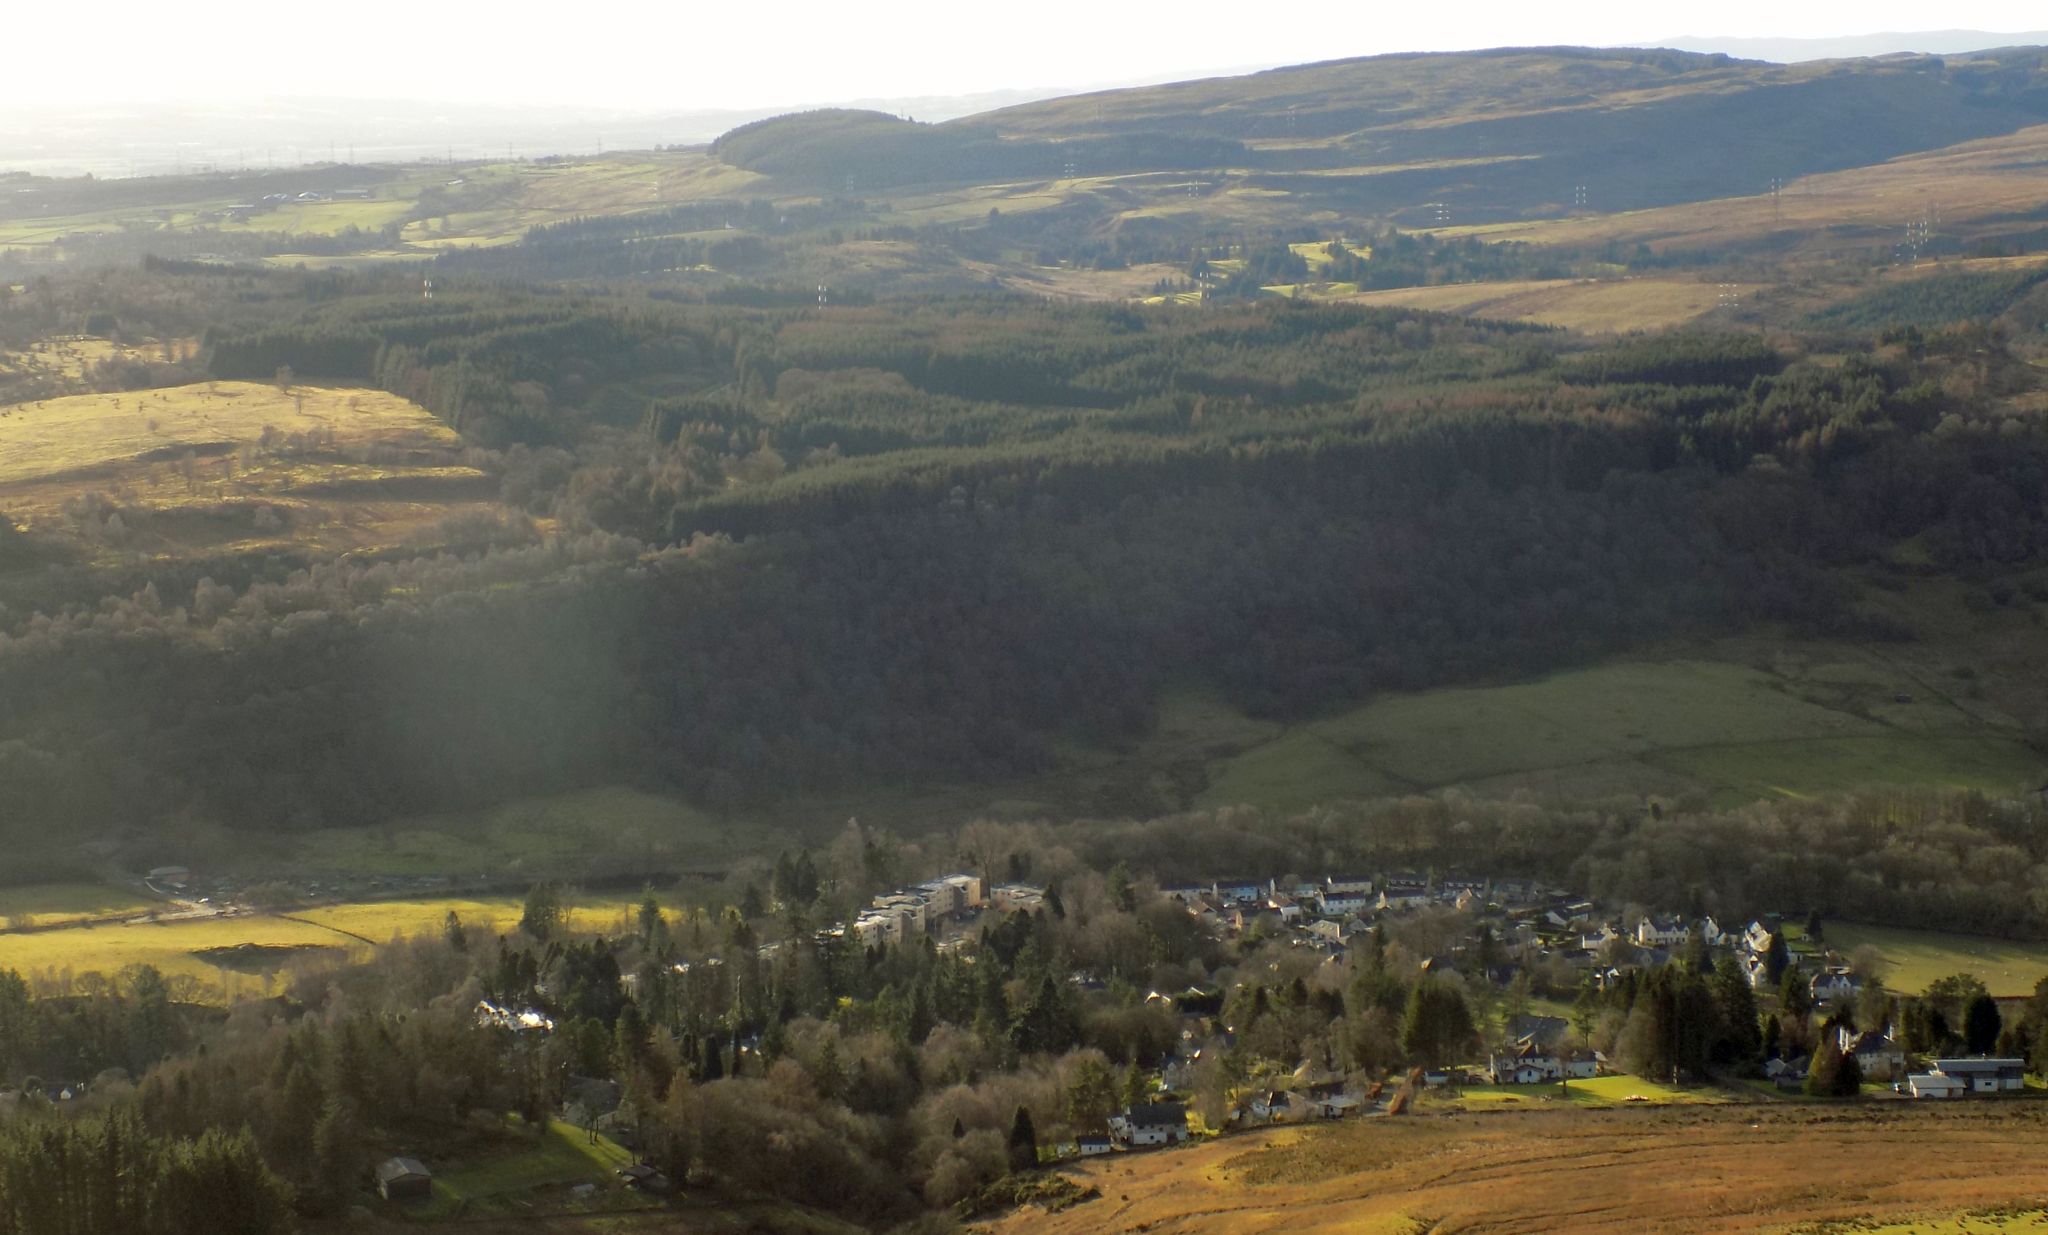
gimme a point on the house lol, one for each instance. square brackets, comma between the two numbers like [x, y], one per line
[1241, 890]
[646, 1178]
[1340, 903]
[1756, 938]
[1150, 1123]
[1348, 885]
[404, 1179]
[1397, 899]
[1595, 940]
[1660, 932]
[1833, 983]
[1786, 1073]
[1936, 1085]
[1876, 1054]
[1985, 1075]
[1326, 931]
[1092, 1146]
[1711, 931]
[1276, 1104]
[1527, 1064]
[1335, 1106]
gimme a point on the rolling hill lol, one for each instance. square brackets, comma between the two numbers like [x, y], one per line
[1497, 134]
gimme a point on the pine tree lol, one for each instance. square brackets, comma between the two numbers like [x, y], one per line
[1981, 1024]
[1023, 1142]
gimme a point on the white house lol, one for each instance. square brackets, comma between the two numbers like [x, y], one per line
[1340, 903]
[1092, 1146]
[1660, 932]
[1756, 938]
[1834, 982]
[1150, 1123]
[1403, 898]
[1711, 931]
[1876, 1054]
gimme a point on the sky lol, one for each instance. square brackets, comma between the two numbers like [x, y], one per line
[703, 54]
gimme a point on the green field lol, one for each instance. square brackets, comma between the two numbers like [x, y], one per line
[49, 903]
[604, 828]
[1731, 731]
[190, 952]
[1600, 1091]
[1913, 959]
[536, 1178]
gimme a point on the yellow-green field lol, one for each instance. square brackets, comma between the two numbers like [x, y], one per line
[1594, 305]
[51, 903]
[1597, 1092]
[1913, 959]
[322, 933]
[233, 465]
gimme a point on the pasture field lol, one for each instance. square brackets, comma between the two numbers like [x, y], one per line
[1736, 732]
[52, 958]
[220, 959]
[534, 1175]
[1596, 306]
[547, 837]
[1913, 959]
[1680, 1169]
[50, 904]
[1597, 1093]
[232, 466]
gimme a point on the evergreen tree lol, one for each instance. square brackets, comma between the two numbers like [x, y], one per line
[1437, 1027]
[1981, 1024]
[1023, 1141]
[542, 914]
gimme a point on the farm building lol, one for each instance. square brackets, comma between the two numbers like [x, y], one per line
[1092, 1146]
[1985, 1075]
[404, 1179]
[1935, 1085]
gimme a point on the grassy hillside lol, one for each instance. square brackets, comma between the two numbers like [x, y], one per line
[1685, 1169]
[1637, 128]
[234, 466]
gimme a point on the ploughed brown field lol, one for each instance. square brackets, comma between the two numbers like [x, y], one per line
[1689, 1169]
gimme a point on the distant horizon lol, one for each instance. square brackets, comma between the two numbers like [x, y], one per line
[127, 137]
[816, 55]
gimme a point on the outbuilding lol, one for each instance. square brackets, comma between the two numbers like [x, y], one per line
[404, 1179]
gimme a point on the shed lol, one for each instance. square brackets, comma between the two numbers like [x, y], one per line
[404, 1179]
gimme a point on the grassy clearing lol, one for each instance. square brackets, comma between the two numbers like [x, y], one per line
[542, 837]
[172, 947]
[235, 466]
[1823, 721]
[1596, 1093]
[1913, 959]
[223, 958]
[52, 903]
[1594, 305]
[1685, 1169]
[537, 1176]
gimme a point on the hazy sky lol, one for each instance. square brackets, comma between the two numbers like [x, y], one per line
[753, 53]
